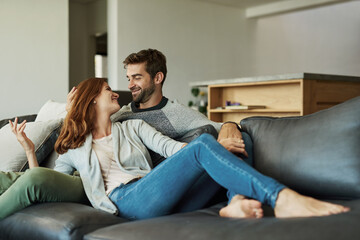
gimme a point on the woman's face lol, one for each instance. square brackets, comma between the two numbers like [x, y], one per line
[106, 101]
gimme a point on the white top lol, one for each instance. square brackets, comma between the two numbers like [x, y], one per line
[111, 172]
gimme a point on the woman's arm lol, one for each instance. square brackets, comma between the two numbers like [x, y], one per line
[25, 142]
[156, 141]
[64, 164]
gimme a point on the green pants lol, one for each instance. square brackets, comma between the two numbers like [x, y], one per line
[37, 185]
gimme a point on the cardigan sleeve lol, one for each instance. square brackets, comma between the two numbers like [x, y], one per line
[156, 141]
[64, 164]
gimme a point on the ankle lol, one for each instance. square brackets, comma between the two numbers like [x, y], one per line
[283, 197]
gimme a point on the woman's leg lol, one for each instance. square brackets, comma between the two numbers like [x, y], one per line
[205, 186]
[39, 185]
[157, 193]
[7, 179]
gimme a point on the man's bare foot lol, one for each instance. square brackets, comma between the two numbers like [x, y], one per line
[292, 204]
[240, 207]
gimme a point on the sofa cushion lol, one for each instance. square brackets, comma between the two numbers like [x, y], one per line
[52, 221]
[206, 224]
[316, 154]
[51, 110]
[12, 154]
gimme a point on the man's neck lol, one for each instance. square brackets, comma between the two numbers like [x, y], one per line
[152, 102]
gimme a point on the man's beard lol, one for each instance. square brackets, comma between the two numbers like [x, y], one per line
[144, 94]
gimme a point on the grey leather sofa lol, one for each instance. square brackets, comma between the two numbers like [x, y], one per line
[317, 155]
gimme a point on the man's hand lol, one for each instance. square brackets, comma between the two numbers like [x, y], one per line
[230, 137]
[70, 98]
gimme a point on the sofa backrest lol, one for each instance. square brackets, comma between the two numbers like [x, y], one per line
[316, 154]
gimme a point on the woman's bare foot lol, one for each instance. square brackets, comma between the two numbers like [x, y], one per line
[240, 207]
[292, 204]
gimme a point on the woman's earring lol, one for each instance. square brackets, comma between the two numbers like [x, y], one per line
[94, 102]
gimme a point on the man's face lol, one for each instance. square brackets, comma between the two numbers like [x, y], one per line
[140, 83]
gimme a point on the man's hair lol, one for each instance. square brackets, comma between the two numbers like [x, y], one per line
[154, 61]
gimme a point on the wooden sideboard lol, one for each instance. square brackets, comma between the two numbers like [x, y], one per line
[281, 98]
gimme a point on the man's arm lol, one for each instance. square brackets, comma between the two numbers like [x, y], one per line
[188, 119]
[230, 137]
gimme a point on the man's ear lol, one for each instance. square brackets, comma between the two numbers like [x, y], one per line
[159, 77]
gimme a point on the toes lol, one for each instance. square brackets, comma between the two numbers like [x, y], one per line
[258, 213]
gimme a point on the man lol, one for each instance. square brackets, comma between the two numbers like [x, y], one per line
[146, 73]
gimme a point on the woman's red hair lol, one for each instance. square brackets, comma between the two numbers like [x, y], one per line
[80, 119]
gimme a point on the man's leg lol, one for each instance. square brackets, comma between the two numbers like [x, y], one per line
[39, 185]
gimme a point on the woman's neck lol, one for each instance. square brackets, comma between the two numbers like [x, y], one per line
[102, 127]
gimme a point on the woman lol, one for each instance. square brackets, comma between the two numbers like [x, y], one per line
[116, 169]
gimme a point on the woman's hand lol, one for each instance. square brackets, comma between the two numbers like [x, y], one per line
[70, 99]
[25, 142]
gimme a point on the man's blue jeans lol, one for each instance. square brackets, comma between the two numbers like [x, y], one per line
[159, 192]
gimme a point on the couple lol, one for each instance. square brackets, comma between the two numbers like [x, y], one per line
[116, 168]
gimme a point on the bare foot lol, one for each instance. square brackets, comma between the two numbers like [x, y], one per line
[240, 207]
[293, 204]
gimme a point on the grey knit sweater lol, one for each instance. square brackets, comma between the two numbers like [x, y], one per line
[168, 117]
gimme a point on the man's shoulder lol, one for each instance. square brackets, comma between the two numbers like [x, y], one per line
[175, 104]
[178, 108]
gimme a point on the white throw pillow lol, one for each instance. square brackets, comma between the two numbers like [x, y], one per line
[12, 154]
[51, 110]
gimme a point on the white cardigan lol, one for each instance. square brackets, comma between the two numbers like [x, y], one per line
[130, 139]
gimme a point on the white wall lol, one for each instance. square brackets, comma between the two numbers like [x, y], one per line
[320, 40]
[33, 54]
[201, 41]
[205, 41]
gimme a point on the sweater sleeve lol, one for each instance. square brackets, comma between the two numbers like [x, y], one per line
[156, 141]
[64, 165]
[185, 119]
